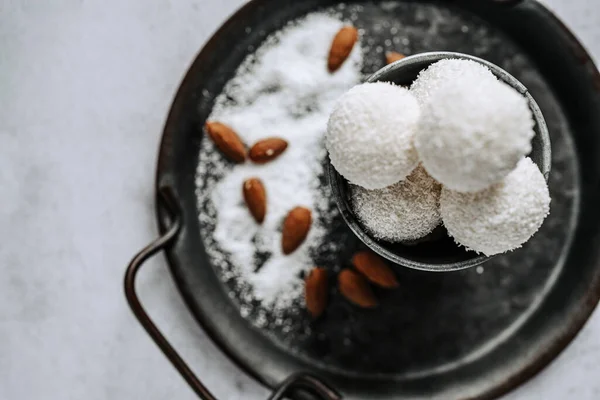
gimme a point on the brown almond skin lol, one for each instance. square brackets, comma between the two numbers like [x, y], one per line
[267, 150]
[374, 269]
[392, 56]
[356, 289]
[255, 196]
[227, 141]
[295, 229]
[316, 292]
[341, 47]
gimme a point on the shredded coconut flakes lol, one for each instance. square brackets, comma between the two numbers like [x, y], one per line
[370, 135]
[500, 218]
[405, 211]
[284, 90]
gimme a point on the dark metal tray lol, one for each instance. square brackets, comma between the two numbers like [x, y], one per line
[472, 334]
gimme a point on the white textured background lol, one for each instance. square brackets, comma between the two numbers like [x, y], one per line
[84, 89]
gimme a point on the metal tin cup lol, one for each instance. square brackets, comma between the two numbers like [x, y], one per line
[437, 251]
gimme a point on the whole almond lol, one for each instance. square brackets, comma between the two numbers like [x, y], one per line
[227, 141]
[374, 269]
[268, 149]
[316, 291]
[341, 47]
[392, 56]
[356, 289]
[255, 196]
[295, 229]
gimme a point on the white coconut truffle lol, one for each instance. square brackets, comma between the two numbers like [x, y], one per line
[370, 135]
[449, 70]
[500, 218]
[405, 211]
[471, 136]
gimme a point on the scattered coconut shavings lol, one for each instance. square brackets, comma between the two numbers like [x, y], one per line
[405, 211]
[283, 90]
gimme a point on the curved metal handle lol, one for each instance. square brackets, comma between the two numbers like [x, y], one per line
[307, 382]
[294, 382]
[166, 196]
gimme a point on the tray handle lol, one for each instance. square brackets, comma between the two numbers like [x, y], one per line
[292, 383]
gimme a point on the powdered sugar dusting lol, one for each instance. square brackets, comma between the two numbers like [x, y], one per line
[283, 90]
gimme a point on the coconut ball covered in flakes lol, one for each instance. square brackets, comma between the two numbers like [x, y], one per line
[370, 135]
[502, 217]
[449, 70]
[472, 134]
[403, 212]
